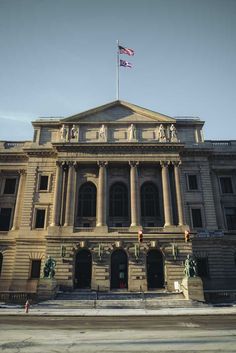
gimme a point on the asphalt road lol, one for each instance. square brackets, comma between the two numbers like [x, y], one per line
[24, 334]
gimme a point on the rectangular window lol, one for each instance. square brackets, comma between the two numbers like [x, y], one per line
[43, 183]
[40, 218]
[35, 268]
[202, 267]
[226, 185]
[10, 186]
[192, 182]
[230, 215]
[196, 217]
[5, 218]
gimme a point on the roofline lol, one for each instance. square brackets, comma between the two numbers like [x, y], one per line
[133, 107]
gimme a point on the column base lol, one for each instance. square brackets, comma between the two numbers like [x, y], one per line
[135, 228]
[174, 228]
[101, 229]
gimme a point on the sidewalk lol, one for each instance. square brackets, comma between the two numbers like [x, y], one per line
[9, 310]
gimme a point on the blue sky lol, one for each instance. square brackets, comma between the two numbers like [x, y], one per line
[58, 58]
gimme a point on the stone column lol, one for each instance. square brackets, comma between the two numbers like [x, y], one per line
[135, 222]
[166, 194]
[57, 195]
[69, 213]
[178, 193]
[101, 195]
[15, 224]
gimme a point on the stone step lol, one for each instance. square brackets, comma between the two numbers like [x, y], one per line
[112, 304]
[79, 295]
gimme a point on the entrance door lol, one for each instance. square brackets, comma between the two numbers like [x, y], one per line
[83, 269]
[119, 270]
[155, 269]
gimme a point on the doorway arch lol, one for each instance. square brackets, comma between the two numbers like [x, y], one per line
[83, 269]
[119, 269]
[155, 269]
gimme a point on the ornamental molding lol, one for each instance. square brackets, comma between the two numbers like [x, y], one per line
[41, 153]
[13, 157]
[96, 148]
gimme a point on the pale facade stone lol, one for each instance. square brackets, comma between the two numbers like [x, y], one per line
[86, 185]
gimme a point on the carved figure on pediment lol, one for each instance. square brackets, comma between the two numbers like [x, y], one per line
[102, 133]
[161, 134]
[132, 132]
[64, 131]
[74, 132]
[173, 134]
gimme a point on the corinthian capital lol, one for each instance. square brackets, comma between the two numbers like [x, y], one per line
[133, 164]
[176, 163]
[164, 164]
[102, 164]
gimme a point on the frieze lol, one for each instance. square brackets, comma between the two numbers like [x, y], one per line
[13, 157]
[82, 149]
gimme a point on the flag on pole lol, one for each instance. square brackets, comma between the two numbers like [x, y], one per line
[127, 51]
[125, 63]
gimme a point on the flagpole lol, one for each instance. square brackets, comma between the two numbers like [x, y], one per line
[118, 72]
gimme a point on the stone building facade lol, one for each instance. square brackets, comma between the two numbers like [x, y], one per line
[89, 186]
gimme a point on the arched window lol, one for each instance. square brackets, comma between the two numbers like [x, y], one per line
[149, 200]
[1, 261]
[118, 200]
[87, 200]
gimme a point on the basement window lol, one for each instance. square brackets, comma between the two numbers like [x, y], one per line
[35, 268]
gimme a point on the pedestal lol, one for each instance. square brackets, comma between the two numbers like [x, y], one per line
[47, 288]
[193, 288]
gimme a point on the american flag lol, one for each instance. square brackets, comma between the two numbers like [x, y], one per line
[125, 63]
[127, 51]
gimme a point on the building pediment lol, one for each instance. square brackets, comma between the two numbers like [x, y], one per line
[119, 112]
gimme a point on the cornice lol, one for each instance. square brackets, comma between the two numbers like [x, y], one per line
[117, 148]
[13, 156]
[40, 152]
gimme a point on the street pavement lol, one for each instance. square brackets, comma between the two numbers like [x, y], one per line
[139, 334]
[37, 310]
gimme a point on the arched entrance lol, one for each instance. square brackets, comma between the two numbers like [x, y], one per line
[83, 269]
[119, 270]
[155, 269]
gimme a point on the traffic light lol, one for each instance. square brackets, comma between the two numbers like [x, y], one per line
[140, 236]
[187, 236]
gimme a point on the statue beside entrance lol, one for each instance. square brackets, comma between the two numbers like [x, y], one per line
[192, 285]
[49, 268]
[190, 268]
